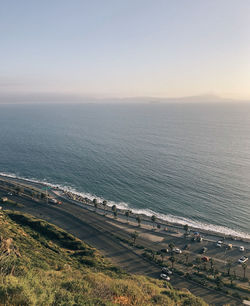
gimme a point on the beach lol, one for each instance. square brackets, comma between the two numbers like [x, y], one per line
[79, 199]
[112, 235]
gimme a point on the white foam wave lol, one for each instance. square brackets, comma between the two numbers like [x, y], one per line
[147, 212]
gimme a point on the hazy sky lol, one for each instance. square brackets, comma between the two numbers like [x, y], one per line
[125, 47]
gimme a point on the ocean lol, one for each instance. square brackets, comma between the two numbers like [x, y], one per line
[186, 163]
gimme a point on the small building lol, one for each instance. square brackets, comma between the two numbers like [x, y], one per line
[4, 199]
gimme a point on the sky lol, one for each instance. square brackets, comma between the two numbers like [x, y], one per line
[124, 48]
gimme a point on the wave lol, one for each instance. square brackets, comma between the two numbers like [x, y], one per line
[147, 212]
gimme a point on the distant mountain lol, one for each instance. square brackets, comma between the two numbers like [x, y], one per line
[7, 98]
[189, 99]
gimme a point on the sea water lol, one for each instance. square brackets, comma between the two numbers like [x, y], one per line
[187, 163]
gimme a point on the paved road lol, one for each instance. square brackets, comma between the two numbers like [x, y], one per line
[95, 230]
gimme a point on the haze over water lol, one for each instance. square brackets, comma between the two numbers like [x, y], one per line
[189, 163]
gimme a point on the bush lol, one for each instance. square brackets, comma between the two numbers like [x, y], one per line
[45, 277]
[147, 255]
[115, 269]
[179, 272]
[86, 252]
[49, 231]
[88, 262]
[236, 295]
[188, 276]
[14, 295]
[140, 247]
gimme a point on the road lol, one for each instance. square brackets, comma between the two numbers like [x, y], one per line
[96, 231]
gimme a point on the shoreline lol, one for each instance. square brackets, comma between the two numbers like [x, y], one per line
[172, 227]
[112, 237]
[146, 218]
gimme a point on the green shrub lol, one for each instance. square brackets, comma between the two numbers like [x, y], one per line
[47, 273]
[88, 262]
[236, 295]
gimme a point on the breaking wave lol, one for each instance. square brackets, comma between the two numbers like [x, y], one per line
[147, 212]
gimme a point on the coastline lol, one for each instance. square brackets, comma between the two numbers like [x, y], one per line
[172, 222]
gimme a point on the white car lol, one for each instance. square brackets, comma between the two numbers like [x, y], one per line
[165, 277]
[219, 244]
[242, 249]
[177, 251]
[166, 270]
[243, 259]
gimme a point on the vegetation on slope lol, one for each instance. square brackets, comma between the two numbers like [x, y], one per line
[41, 264]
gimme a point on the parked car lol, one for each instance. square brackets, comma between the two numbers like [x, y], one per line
[243, 259]
[205, 259]
[164, 250]
[199, 239]
[242, 249]
[53, 201]
[203, 250]
[4, 199]
[165, 277]
[219, 243]
[166, 270]
[177, 251]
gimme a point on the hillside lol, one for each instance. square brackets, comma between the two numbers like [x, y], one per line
[43, 265]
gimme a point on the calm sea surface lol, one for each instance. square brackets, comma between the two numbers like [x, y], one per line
[187, 163]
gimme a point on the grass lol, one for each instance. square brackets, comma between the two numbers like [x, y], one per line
[40, 264]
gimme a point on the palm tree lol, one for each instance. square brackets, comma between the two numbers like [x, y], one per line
[171, 246]
[104, 203]
[229, 266]
[172, 259]
[95, 203]
[43, 195]
[163, 253]
[186, 254]
[244, 267]
[198, 262]
[218, 282]
[212, 265]
[127, 214]
[231, 279]
[134, 236]
[18, 189]
[153, 219]
[33, 194]
[138, 219]
[186, 228]
[235, 276]
[204, 266]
